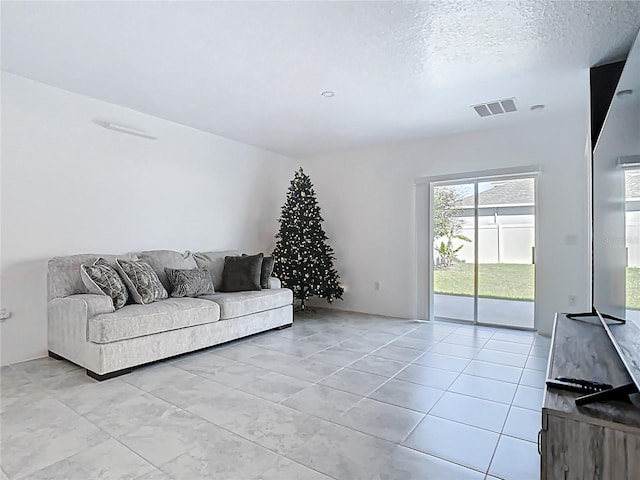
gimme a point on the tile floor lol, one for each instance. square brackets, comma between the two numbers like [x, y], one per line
[340, 395]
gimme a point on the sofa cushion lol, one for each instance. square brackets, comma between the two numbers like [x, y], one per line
[242, 273]
[133, 321]
[101, 278]
[159, 259]
[214, 261]
[238, 304]
[190, 283]
[141, 280]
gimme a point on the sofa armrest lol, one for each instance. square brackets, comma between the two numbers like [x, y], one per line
[68, 318]
[89, 303]
[274, 283]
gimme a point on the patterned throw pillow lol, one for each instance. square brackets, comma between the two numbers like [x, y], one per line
[190, 283]
[102, 279]
[143, 283]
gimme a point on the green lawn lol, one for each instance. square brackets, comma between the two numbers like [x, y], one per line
[495, 280]
[633, 288]
[509, 281]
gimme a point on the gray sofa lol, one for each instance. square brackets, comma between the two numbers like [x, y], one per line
[86, 329]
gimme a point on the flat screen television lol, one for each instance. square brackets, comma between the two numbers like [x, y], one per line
[616, 199]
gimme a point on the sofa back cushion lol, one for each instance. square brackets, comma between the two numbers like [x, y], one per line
[214, 262]
[159, 259]
[64, 272]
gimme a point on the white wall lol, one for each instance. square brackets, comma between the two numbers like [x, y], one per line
[368, 202]
[70, 186]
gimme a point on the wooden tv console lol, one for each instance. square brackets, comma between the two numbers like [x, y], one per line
[595, 441]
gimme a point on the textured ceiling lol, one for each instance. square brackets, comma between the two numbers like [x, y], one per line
[254, 71]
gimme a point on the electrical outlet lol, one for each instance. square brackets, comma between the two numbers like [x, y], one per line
[573, 300]
[376, 285]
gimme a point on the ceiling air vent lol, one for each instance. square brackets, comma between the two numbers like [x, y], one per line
[496, 108]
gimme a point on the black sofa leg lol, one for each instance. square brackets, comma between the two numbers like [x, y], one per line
[55, 356]
[109, 375]
[282, 327]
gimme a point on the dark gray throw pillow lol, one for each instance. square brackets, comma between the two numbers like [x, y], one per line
[266, 270]
[189, 283]
[242, 273]
[102, 279]
[143, 283]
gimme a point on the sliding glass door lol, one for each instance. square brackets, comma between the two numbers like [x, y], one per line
[483, 241]
[454, 257]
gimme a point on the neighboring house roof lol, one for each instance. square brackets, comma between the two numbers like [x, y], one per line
[504, 192]
[521, 192]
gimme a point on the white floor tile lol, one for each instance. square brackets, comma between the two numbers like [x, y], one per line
[461, 444]
[505, 373]
[523, 424]
[510, 347]
[466, 340]
[485, 388]
[408, 464]
[536, 363]
[528, 397]
[408, 395]
[502, 358]
[253, 408]
[533, 378]
[430, 377]
[455, 350]
[471, 411]
[515, 460]
[442, 361]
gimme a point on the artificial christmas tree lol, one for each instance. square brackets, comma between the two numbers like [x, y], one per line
[303, 259]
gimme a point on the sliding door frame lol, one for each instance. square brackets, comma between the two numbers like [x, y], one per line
[424, 228]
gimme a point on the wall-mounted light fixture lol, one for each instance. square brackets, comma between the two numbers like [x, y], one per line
[125, 129]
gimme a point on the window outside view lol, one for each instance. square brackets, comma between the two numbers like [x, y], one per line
[632, 234]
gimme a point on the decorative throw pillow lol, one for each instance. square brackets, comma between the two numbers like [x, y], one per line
[190, 283]
[102, 279]
[242, 273]
[141, 280]
[158, 259]
[214, 261]
[266, 270]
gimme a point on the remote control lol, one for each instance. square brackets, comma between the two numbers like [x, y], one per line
[587, 383]
[581, 387]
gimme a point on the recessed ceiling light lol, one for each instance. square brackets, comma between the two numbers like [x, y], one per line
[328, 94]
[537, 108]
[624, 93]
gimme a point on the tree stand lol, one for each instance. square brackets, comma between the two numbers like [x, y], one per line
[303, 307]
